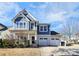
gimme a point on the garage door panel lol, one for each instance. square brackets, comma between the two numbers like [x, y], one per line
[43, 42]
[55, 42]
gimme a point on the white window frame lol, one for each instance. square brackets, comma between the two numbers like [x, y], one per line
[33, 26]
[40, 28]
[43, 28]
[43, 38]
[46, 28]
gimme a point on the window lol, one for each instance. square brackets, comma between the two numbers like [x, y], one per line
[41, 28]
[57, 39]
[17, 24]
[45, 38]
[41, 38]
[32, 25]
[21, 37]
[52, 39]
[25, 38]
[45, 28]
[21, 24]
[24, 25]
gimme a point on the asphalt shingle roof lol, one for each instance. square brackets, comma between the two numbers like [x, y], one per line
[3, 27]
[54, 33]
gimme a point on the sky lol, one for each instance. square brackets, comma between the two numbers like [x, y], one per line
[54, 13]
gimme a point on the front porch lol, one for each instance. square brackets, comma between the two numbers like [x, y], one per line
[22, 36]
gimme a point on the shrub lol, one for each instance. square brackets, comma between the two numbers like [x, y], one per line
[0, 43]
[70, 44]
[8, 43]
[21, 46]
[12, 43]
[5, 43]
[27, 43]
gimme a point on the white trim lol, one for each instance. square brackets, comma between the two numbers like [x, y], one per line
[28, 37]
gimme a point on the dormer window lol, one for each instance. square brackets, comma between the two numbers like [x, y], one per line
[43, 28]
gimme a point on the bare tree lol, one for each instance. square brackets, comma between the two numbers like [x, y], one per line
[70, 28]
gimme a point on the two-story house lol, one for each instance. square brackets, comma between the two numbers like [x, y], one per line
[26, 27]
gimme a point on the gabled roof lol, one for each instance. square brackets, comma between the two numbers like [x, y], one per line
[18, 19]
[54, 33]
[25, 14]
[3, 27]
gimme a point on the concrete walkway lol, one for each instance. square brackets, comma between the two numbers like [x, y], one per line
[61, 50]
[46, 51]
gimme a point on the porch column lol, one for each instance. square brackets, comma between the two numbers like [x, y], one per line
[65, 44]
[28, 36]
[29, 39]
[35, 37]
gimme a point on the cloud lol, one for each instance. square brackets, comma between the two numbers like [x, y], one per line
[34, 6]
[56, 16]
[57, 12]
[6, 12]
[39, 5]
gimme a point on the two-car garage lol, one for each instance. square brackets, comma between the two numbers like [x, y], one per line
[48, 41]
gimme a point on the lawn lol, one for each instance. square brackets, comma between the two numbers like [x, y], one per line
[26, 51]
[19, 51]
[42, 51]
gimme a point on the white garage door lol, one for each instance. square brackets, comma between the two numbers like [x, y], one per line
[55, 42]
[43, 41]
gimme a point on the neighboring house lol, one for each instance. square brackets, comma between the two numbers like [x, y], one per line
[26, 27]
[2, 28]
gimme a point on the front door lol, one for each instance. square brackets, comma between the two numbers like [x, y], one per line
[33, 40]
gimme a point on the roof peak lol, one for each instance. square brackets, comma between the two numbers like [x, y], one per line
[26, 14]
[23, 10]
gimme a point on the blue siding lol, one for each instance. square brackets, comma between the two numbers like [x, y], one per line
[43, 33]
